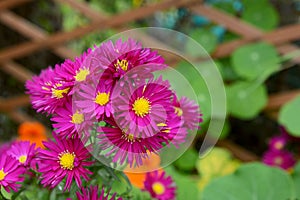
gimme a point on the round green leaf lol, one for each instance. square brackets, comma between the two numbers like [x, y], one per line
[205, 38]
[187, 161]
[246, 99]
[289, 116]
[186, 186]
[251, 181]
[296, 178]
[255, 61]
[263, 15]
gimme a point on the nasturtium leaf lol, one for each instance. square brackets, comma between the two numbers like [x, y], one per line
[296, 179]
[186, 187]
[195, 82]
[261, 15]
[251, 181]
[245, 100]
[205, 38]
[255, 61]
[289, 116]
[187, 161]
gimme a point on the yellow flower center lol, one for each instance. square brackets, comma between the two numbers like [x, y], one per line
[77, 118]
[278, 145]
[2, 174]
[66, 160]
[82, 74]
[22, 159]
[128, 137]
[141, 107]
[59, 93]
[123, 64]
[158, 188]
[102, 98]
[278, 161]
[178, 111]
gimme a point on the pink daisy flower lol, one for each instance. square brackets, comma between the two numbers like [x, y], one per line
[173, 130]
[92, 193]
[159, 186]
[70, 122]
[95, 99]
[121, 57]
[75, 71]
[125, 147]
[65, 158]
[189, 111]
[282, 159]
[46, 92]
[23, 152]
[10, 173]
[140, 110]
[277, 142]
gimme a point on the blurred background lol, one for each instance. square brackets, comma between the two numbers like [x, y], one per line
[244, 37]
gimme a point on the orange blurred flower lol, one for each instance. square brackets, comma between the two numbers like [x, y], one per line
[137, 175]
[34, 132]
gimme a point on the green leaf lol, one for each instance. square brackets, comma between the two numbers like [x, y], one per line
[186, 186]
[296, 179]
[205, 38]
[255, 61]
[187, 81]
[262, 15]
[187, 161]
[289, 116]
[245, 99]
[249, 182]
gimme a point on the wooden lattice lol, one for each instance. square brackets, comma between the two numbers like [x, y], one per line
[39, 39]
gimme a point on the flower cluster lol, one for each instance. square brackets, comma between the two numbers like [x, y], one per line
[114, 83]
[277, 155]
[16, 159]
[108, 99]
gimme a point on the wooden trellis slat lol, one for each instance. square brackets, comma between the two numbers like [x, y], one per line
[16, 70]
[62, 37]
[5, 4]
[277, 37]
[33, 32]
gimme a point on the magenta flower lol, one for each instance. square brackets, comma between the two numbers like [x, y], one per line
[92, 194]
[23, 152]
[282, 159]
[65, 158]
[277, 143]
[125, 147]
[10, 173]
[189, 111]
[159, 186]
[47, 93]
[121, 57]
[140, 110]
[173, 130]
[70, 122]
[95, 100]
[75, 71]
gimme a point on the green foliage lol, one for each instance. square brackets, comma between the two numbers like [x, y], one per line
[296, 179]
[186, 186]
[205, 38]
[187, 161]
[289, 116]
[251, 181]
[246, 99]
[255, 61]
[260, 14]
